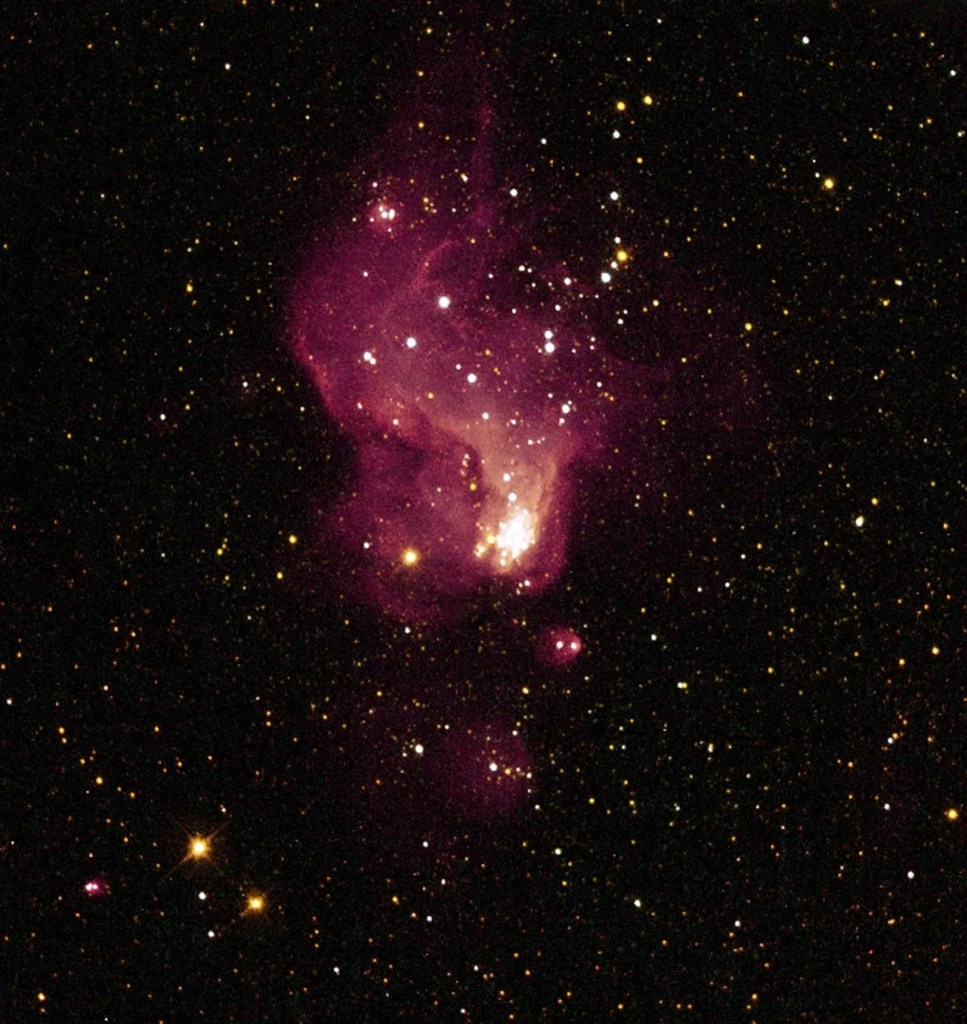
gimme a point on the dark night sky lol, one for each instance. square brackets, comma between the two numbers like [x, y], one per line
[748, 794]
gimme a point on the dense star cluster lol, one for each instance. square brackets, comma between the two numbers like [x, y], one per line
[483, 511]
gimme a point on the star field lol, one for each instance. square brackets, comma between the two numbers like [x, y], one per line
[483, 513]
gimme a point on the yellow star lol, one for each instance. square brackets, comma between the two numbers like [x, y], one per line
[410, 556]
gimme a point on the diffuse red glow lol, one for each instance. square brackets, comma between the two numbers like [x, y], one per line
[485, 770]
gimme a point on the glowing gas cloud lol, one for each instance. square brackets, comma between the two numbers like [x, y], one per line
[461, 363]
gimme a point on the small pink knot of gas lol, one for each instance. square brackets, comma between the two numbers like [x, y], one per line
[558, 646]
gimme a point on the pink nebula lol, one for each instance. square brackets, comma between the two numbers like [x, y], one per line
[466, 360]
[460, 362]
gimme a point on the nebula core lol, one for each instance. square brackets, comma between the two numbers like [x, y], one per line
[460, 361]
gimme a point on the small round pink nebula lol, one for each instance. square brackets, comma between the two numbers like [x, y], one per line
[558, 646]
